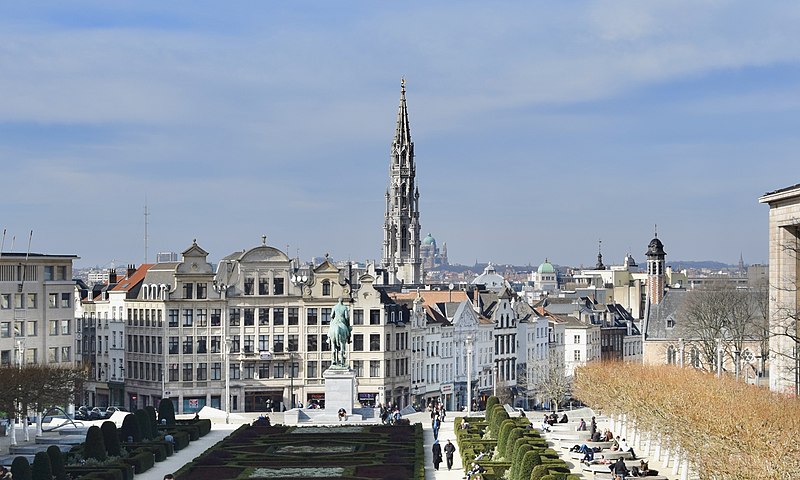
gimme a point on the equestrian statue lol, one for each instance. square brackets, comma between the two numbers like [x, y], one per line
[339, 334]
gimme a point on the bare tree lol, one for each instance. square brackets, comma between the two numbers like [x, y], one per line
[553, 384]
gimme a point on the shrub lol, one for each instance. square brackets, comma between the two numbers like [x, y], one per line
[110, 438]
[143, 422]
[166, 411]
[152, 418]
[491, 402]
[142, 461]
[21, 469]
[57, 462]
[40, 470]
[514, 435]
[130, 429]
[502, 437]
[520, 447]
[530, 467]
[95, 447]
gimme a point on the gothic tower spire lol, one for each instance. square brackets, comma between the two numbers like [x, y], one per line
[656, 273]
[401, 228]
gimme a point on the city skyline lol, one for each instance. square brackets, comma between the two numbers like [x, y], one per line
[539, 129]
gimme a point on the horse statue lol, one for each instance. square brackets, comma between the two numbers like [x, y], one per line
[339, 334]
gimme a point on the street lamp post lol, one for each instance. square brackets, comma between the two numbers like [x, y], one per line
[227, 380]
[291, 380]
[469, 374]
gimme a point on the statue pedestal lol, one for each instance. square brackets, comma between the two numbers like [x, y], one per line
[340, 389]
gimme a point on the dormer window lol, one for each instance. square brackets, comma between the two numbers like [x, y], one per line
[188, 289]
[249, 283]
[326, 288]
[670, 322]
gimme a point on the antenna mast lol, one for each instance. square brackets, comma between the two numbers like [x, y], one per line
[146, 214]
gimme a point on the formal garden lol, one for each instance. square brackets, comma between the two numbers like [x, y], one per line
[111, 453]
[507, 448]
[369, 452]
[724, 428]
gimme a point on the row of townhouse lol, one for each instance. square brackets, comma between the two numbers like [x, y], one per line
[181, 330]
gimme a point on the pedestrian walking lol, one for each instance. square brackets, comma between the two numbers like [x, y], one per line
[437, 454]
[436, 424]
[449, 449]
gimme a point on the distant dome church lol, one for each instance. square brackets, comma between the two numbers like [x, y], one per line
[431, 256]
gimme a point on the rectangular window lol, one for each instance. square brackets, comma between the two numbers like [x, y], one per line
[234, 372]
[358, 316]
[173, 371]
[202, 371]
[216, 344]
[187, 372]
[65, 300]
[202, 292]
[326, 316]
[248, 343]
[52, 355]
[249, 370]
[277, 286]
[61, 272]
[32, 300]
[248, 285]
[294, 343]
[375, 342]
[5, 358]
[53, 330]
[263, 287]
[188, 289]
[188, 317]
[202, 318]
[32, 331]
[263, 370]
[577, 355]
[235, 317]
[358, 368]
[18, 300]
[293, 316]
[263, 343]
[216, 315]
[311, 316]
[311, 343]
[5, 329]
[66, 355]
[235, 344]
[249, 317]
[358, 342]
[172, 317]
[49, 273]
[263, 316]
[374, 368]
[374, 317]
[277, 344]
[278, 370]
[216, 371]
[202, 345]
[277, 316]
[52, 300]
[188, 345]
[577, 339]
[311, 369]
[173, 345]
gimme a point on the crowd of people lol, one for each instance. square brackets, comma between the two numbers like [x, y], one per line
[390, 415]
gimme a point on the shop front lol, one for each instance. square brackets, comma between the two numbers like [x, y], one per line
[368, 400]
[315, 400]
[193, 404]
[263, 401]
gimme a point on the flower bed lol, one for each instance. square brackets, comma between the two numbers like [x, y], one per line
[303, 453]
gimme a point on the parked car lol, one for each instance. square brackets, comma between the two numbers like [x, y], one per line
[110, 411]
[97, 413]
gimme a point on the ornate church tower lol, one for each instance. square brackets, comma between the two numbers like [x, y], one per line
[401, 242]
[656, 272]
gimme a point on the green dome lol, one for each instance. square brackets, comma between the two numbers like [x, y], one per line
[429, 240]
[546, 267]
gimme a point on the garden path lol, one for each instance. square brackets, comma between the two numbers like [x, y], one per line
[179, 459]
[445, 433]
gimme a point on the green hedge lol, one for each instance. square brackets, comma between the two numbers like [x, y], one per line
[141, 460]
[21, 469]
[57, 462]
[95, 447]
[98, 472]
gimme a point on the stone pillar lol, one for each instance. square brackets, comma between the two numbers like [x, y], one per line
[340, 390]
[678, 457]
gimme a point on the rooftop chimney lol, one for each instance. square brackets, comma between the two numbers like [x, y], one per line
[112, 276]
[131, 269]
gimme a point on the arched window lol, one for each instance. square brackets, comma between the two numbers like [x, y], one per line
[671, 355]
[695, 357]
[326, 288]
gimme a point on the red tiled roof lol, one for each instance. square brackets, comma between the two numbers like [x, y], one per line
[127, 283]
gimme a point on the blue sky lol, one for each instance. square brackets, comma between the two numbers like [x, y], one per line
[539, 127]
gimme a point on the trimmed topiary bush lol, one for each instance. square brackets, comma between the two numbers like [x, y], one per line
[21, 469]
[514, 435]
[144, 424]
[516, 457]
[40, 470]
[95, 447]
[166, 411]
[57, 462]
[152, 417]
[130, 429]
[502, 437]
[110, 438]
[531, 468]
[491, 402]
